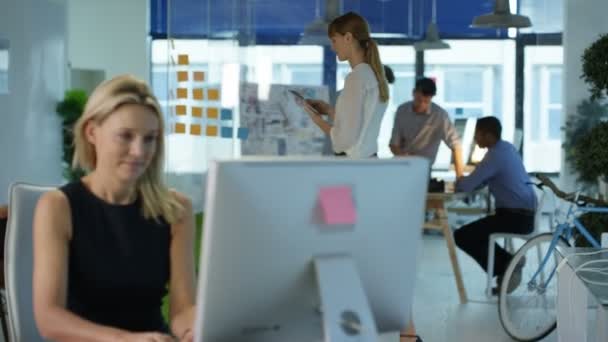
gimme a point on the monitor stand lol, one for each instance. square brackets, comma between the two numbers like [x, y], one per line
[344, 306]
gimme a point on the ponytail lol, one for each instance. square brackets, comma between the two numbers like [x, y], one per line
[358, 27]
[372, 57]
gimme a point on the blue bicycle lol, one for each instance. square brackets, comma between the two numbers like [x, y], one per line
[527, 301]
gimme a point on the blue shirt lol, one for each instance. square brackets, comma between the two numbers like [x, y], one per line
[503, 171]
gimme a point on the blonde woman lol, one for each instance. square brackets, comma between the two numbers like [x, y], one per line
[363, 100]
[361, 103]
[107, 245]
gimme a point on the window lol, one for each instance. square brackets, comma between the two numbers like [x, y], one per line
[546, 101]
[405, 80]
[455, 77]
[553, 105]
[226, 68]
[464, 91]
[555, 119]
[300, 74]
[187, 154]
[163, 79]
[543, 108]
[471, 85]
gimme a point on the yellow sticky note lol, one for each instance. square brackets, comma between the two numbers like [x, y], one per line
[180, 110]
[197, 94]
[195, 129]
[211, 131]
[182, 93]
[183, 60]
[182, 76]
[212, 113]
[180, 128]
[199, 76]
[213, 94]
[197, 112]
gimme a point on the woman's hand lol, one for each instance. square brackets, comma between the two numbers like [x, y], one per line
[312, 112]
[188, 336]
[321, 107]
[146, 337]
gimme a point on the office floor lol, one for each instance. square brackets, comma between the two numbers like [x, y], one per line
[438, 314]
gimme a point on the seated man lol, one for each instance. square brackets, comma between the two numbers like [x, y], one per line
[420, 126]
[503, 171]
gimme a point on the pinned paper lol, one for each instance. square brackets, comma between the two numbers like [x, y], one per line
[183, 60]
[211, 131]
[243, 133]
[226, 114]
[197, 94]
[182, 76]
[180, 128]
[195, 129]
[212, 113]
[197, 112]
[182, 93]
[226, 132]
[337, 206]
[199, 76]
[180, 110]
[213, 94]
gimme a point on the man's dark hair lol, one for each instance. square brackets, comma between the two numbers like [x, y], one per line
[426, 86]
[389, 74]
[489, 124]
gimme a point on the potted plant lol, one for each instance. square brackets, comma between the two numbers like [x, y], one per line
[70, 109]
[595, 67]
[586, 135]
[590, 153]
[596, 224]
[588, 114]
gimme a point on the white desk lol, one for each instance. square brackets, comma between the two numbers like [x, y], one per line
[573, 298]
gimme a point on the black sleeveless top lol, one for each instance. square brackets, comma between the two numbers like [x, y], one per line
[118, 266]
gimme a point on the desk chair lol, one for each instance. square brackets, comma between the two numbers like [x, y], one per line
[508, 240]
[18, 261]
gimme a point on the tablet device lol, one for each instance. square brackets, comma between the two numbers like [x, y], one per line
[301, 101]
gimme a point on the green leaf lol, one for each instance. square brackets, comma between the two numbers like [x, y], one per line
[589, 114]
[595, 67]
[591, 153]
[69, 110]
[596, 224]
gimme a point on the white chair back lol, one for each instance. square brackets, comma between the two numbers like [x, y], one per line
[18, 261]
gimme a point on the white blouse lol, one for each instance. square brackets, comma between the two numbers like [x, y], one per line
[359, 113]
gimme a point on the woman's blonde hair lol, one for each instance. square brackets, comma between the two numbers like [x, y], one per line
[156, 199]
[358, 27]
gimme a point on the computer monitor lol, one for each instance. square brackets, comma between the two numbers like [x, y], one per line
[466, 131]
[274, 269]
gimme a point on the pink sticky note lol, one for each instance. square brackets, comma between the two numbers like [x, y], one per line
[337, 205]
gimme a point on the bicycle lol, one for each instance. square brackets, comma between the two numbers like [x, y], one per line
[527, 306]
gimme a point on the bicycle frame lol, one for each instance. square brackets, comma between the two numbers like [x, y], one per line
[565, 229]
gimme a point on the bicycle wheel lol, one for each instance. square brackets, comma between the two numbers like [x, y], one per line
[528, 308]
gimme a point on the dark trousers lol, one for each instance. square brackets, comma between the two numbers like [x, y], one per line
[473, 238]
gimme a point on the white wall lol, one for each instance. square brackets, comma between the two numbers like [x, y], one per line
[109, 35]
[583, 22]
[30, 132]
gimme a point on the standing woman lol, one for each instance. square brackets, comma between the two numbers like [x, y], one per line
[361, 104]
[107, 245]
